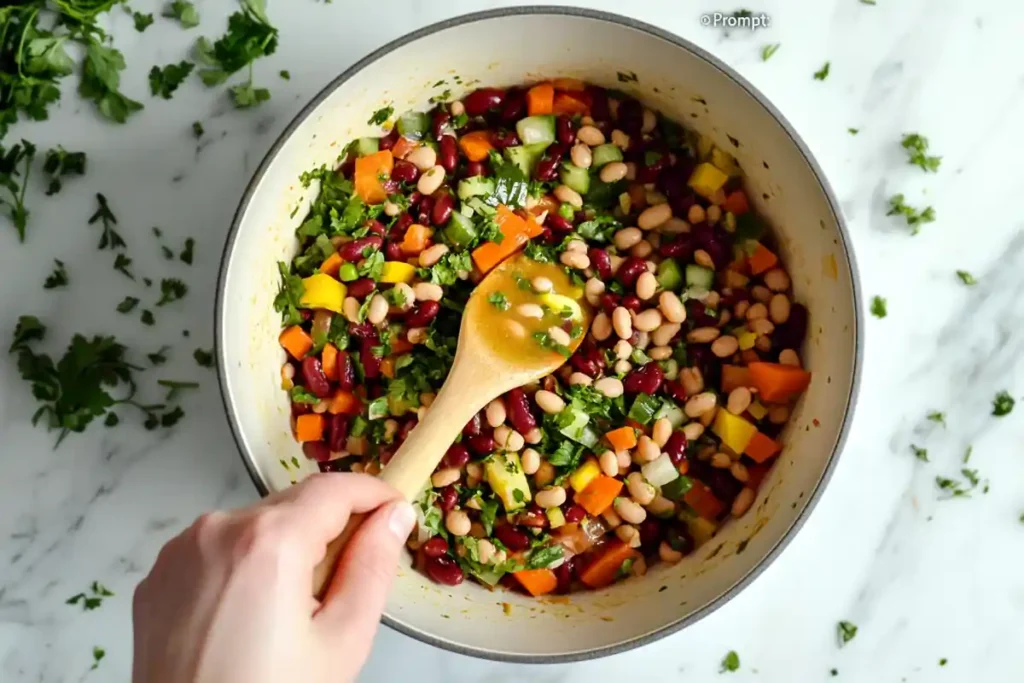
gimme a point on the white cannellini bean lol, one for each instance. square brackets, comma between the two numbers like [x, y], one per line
[620, 139]
[646, 449]
[776, 280]
[646, 286]
[613, 172]
[350, 309]
[530, 460]
[787, 357]
[622, 367]
[575, 259]
[601, 328]
[703, 335]
[660, 353]
[549, 401]
[581, 156]
[550, 498]
[629, 511]
[725, 346]
[432, 254]
[700, 404]
[423, 157]
[457, 522]
[559, 336]
[567, 195]
[377, 312]
[738, 401]
[427, 291]
[621, 322]
[609, 463]
[509, 439]
[445, 477]
[530, 311]
[742, 502]
[406, 295]
[627, 238]
[430, 180]
[651, 217]
[692, 380]
[779, 308]
[650, 121]
[648, 320]
[693, 431]
[629, 534]
[577, 378]
[667, 555]
[609, 386]
[485, 550]
[665, 333]
[534, 436]
[541, 284]
[590, 135]
[642, 492]
[661, 431]
[457, 108]
[593, 290]
[622, 349]
[495, 413]
[416, 335]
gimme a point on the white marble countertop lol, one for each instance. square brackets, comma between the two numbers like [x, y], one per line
[923, 578]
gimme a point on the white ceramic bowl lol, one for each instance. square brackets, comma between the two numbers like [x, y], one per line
[689, 85]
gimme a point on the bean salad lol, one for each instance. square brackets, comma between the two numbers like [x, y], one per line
[663, 422]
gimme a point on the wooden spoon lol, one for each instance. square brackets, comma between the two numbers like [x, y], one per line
[489, 361]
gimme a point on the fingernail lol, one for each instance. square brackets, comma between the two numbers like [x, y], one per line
[402, 519]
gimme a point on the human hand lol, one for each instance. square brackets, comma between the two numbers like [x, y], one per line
[229, 599]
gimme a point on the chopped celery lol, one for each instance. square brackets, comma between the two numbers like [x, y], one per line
[536, 129]
[660, 471]
[477, 186]
[605, 154]
[644, 408]
[414, 124]
[699, 277]
[670, 411]
[669, 276]
[575, 177]
[365, 146]
[525, 157]
[460, 231]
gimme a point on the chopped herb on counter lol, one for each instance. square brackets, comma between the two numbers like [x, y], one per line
[58, 278]
[917, 149]
[174, 388]
[160, 357]
[142, 21]
[249, 37]
[954, 488]
[197, 129]
[147, 317]
[188, 252]
[731, 662]
[846, 632]
[967, 454]
[966, 277]
[185, 12]
[127, 304]
[768, 50]
[203, 358]
[879, 307]
[1002, 404]
[915, 217]
[121, 265]
[920, 453]
[381, 115]
[499, 301]
[163, 82]
[936, 416]
[853, 131]
[822, 73]
[943, 661]
[101, 80]
[285, 74]
[15, 181]
[869, 2]
[98, 653]
[834, 672]
[59, 163]
[171, 290]
[92, 598]
[110, 238]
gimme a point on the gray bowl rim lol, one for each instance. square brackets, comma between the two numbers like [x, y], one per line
[727, 72]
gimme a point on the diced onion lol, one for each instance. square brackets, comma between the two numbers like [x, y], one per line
[660, 471]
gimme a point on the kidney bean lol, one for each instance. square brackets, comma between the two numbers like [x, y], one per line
[632, 303]
[630, 270]
[385, 453]
[447, 498]
[339, 465]
[448, 153]
[475, 168]
[573, 513]
[474, 426]
[514, 106]
[601, 262]
[404, 171]
[564, 574]
[422, 313]
[402, 224]
[481, 101]
[580, 363]
[371, 363]
[599, 110]
[456, 456]
[557, 223]
[513, 539]
[698, 313]
[675, 389]
[630, 116]
[546, 170]
[363, 330]
[300, 409]
[565, 131]
[313, 377]
[423, 210]
[388, 141]
[556, 151]
[481, 444]
[361, 288]
[679, 248]
[444, 570]
[546, 236]
[317, 450]
[353, 251]
[533, 517]
[376, 227]
[679, 539]
[501, 139]
[519, 411]
[648, 173]
[439, 119]
[651, 531]
[406, 428]
[435, 547]
[348, 167]
[791, 334]
[390, 186]
[646, 380]
[337, 433]
[442, 210]
[393, 251]
[676, 447]
[609, 302]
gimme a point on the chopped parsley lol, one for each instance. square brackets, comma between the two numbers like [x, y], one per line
[879, 307]
[379, 117]
[853, 131]
[142, 21]
[59, 163]
[285, 74]
[498, 300]
[1002, 404]
[127, 304]
[185, 12]
[846, 631]
[59, 276]
[110, 239]
[10, 160]
[822, 73]
[197, 129]
[731, 662]
[768, 50]
[163, 82]
[147, 317]
[171, 290]
[914, 217]
[160, 357]
[92, 598]
[968, 453]
[303, 395]
[917, 150]
[121, 265]
[249, 37]
[943, 661]
[203, 358]
[920, 453]
[953, 487]
[98, 653]
[545, 341]
[936, 416]
[627, 77]
[188, 252]
[966, 278]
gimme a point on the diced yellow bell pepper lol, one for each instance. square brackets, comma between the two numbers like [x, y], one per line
[559, 303]
[704, 146]
[757, 410]
[555, 517]
[322, 291]
[724, 162]
[706, 179]
[701, 529]
[746, 340]
[586, 473]
[397, 271]
[506, 478]
[733, 430]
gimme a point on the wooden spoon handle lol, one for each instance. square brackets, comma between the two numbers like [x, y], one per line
[415, 461]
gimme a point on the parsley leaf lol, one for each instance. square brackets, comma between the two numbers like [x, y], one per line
[197, 129]
[188, 252]
[917, 150]
[288, 295]
[915, 217]
[110, 238]
[381, 115]
[203, 358]
[164, 82]
[966, 278]
[127, 304]
[545, 556]
[101, 81]
[98, 653]
[498, 300]
[249, 37]
[58, 278]
[147, 317]
[20, 154]
[142, 21]
[853, 131]
[185, 12]
[822, 73]
[171, 290]
[446, 271]
[1002, 404]
[121, 264]
[245, 96]
[731, 662]
[920, 453]
[768, 50]
[59, 163]
[160, 357]
[879, 307]
[936, 416]
[846, 631]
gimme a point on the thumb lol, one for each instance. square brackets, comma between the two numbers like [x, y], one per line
[359, 589]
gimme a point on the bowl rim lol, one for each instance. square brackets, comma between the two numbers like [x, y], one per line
[834, 207]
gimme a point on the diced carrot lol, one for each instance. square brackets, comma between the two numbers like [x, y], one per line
[403, 146]
[760, 448]
[401, 345]
[734, 376]
[703, 501]
[309, 427]
[571, 104]
[344, 402]
[296, 341]
[540, 99]
[476, 145]
[369, 170]
[516, 232]
[606, 567]
[537, 581]
[762, 260]
[329, 361]
[622, 439]
[387, 367]
[777, 383]
[736, 203]
[416, 238]
[599, 494]
[572, 84]
[331, 264]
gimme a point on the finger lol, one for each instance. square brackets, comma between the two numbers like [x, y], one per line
[359, 589]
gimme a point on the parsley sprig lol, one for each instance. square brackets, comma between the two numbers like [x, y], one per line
[915, 217]
[249, 37]
[917, 152]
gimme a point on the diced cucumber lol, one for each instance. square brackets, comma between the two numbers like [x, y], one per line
[536, 129]
[479, 206]
[606, 154]
[575, 177]
[414, 124]
[669, 276]
[477, 186]
[460, 231]
[699, 277]
[677, 488]
[365, 146]
[526, 156]
[671, 412]
[575, 424]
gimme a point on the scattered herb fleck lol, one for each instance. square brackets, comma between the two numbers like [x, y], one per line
[879, 307]
[822, 73]
[731, 662]
[147, 317]
[185, 12]
[499, 301]
[163, 82]
[197, 129]
[968, 453]
[20, 154]
[203, 358]
[188, 252]
[846, 632]
[59, 163]
[121, 265]
[915, 217]
[171, 290]
[966, 278]
[98, 653]
[160, 357]
[59, 276]
[381, 115]
[917, 150]
[142, 21]
[1002, 404]
[936, 416]
[285, 74]
[127, 304]
[943, 661]
[110, 239]
[920, 453]
[627, 77]
[853, 131]
[768, 50]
